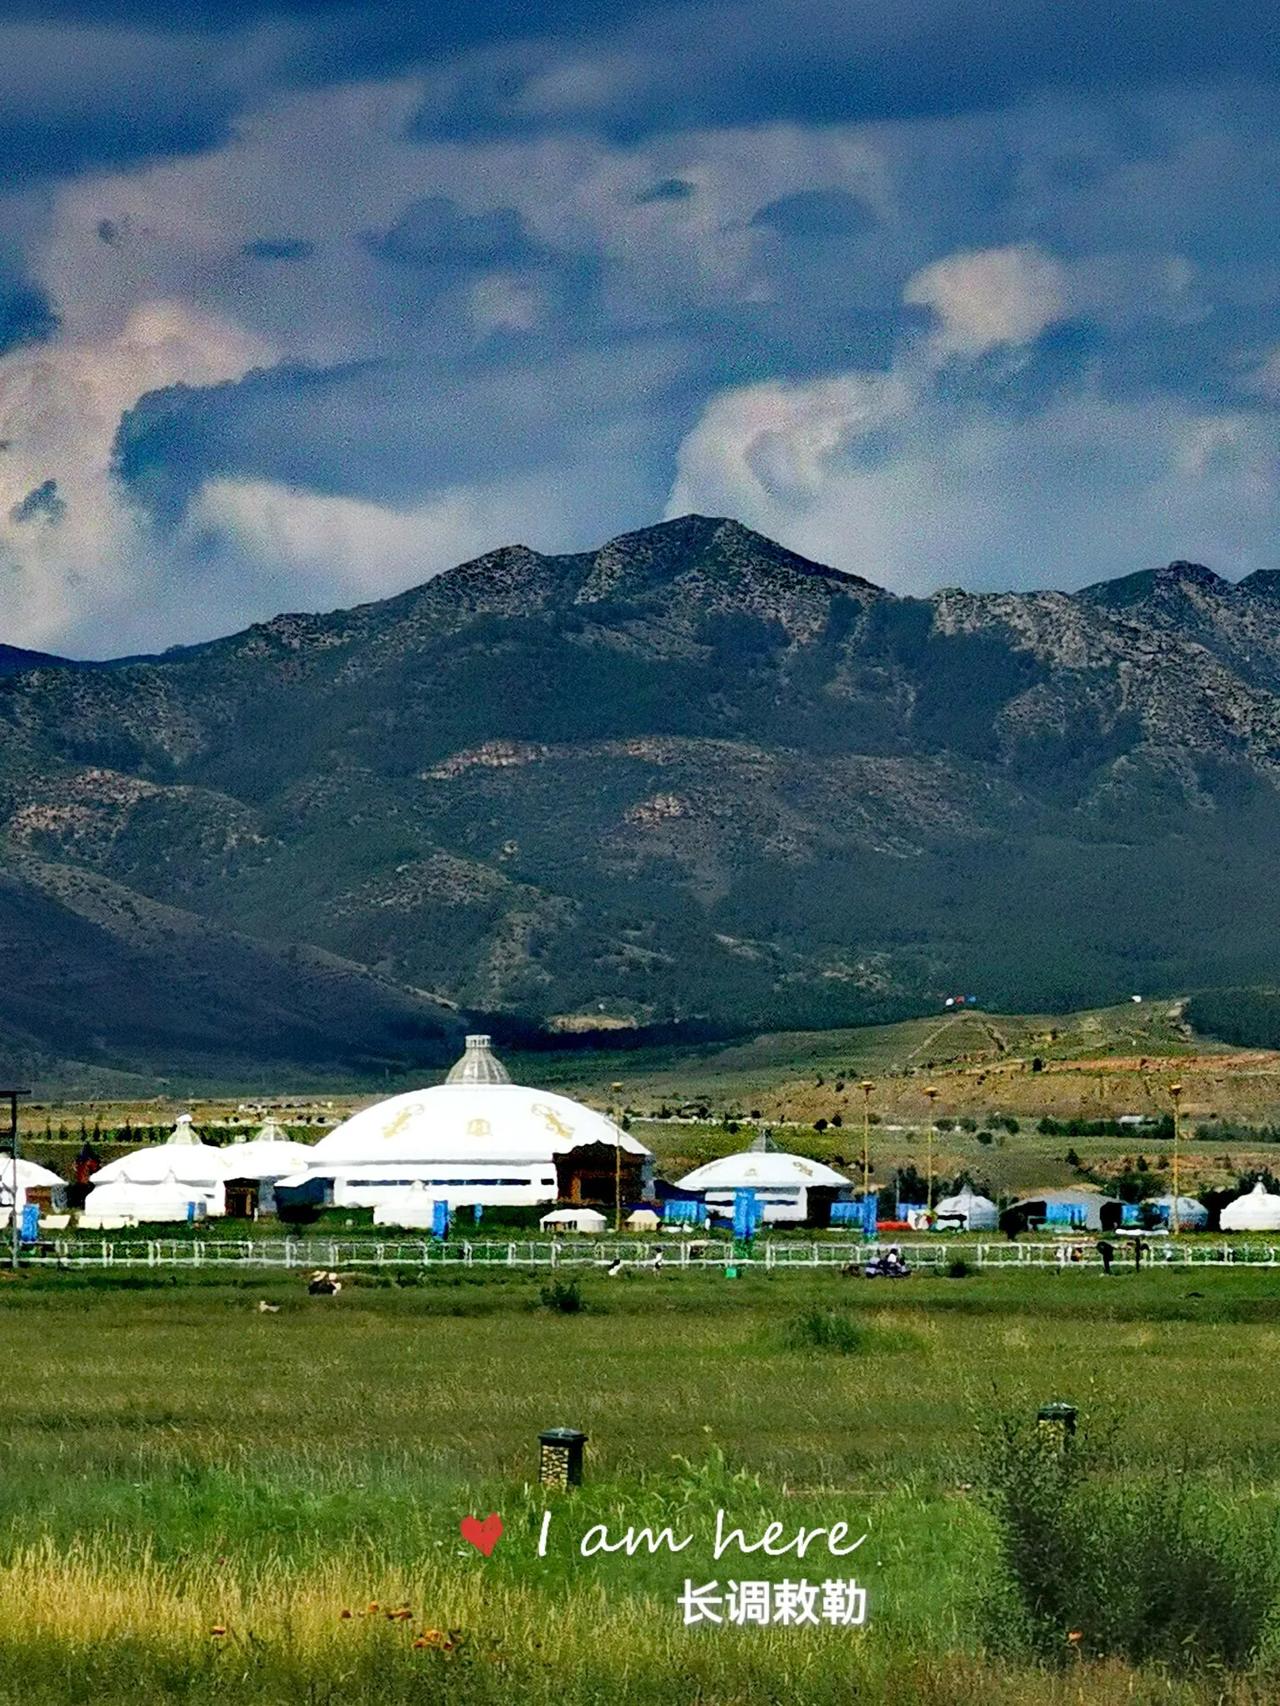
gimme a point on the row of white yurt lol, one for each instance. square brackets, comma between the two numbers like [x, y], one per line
[185, 1178]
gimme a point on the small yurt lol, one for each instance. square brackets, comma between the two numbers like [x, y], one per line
[787, 1187]
[643, 1220]
[254, 1165]
[573, 1220]
[120, 1202]
[1193, 1216]
[1257, 1210]
[968, 1212]
[181, 1169]
[1069, 1206]
[35, 1185]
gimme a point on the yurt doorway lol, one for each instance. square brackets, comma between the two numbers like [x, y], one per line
[242, 1199]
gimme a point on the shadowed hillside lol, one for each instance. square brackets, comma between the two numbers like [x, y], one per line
[689, 776]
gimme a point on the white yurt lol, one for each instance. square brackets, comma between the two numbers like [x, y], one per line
[968, 1211]
[182, 1169]
[253, 1165]
[414, 1208]
[1257, 1210]
[478, 1138]
[781, 1182]
[1193, 1216]
[120, 1202]
[643, 1220]
[574, 1220]
[31, 1177]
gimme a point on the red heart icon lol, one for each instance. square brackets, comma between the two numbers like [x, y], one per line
[484, 1536]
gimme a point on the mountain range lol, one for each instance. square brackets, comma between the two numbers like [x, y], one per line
[688, 778]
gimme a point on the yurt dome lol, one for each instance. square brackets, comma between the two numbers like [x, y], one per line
[271, 1154]
[1192, 1214]
[31, 1177]
[1257, 1210]
[976, 1213]
[196, 1167]
[781, 1182]
[478, 1139]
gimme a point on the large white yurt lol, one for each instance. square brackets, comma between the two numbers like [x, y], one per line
[253, 1165]
[31, 1178]
[968, 1211]
[1257, 1210]
[159, 1177]
[477, 1138]
[782, 1183]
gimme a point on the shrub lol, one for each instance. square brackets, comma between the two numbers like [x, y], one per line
[564, 1296]
[825, 1330]
[1147, 1570]
[958, 1268]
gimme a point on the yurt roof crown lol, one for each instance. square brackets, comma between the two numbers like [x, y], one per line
[478, 1064]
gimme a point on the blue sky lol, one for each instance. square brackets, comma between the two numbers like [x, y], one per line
[302, 303]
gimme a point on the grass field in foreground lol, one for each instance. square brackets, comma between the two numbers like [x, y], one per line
[179, 1463]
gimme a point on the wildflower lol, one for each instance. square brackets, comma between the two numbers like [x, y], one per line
[345, 1616]
[371, 1610]
[218, 1629]
[1074, 1637]
[401, 1615]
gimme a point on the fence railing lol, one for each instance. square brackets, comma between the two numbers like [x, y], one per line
[765, 1254]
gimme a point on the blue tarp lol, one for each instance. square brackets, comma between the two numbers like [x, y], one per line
[439, 1219]
[682, 1211]
[29, 1230]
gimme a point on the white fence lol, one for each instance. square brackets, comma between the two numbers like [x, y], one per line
[763, 1254]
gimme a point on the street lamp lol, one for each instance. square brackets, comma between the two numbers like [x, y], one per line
[866, 1087]
[1175, 1218]
[932, 1093]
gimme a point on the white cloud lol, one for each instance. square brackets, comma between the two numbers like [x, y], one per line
[874, 475]
[987, 297]
[60, 405]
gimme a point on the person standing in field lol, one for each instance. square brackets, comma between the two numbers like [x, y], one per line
[1107, 1251]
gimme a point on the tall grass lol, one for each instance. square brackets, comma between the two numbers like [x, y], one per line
[1097, 1560]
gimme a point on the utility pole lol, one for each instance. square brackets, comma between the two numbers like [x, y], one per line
[866, 1087]
[1176, 1215]
[932, 1094]
[15, 1239]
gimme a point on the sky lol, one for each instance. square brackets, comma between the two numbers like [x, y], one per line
[302, 303]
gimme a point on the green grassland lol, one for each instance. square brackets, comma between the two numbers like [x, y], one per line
[179, 1463]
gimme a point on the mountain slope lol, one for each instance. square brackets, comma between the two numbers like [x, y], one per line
[690, 775]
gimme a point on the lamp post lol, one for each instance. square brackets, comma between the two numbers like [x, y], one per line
[1176, 1097]
[866, 1087]
[617, 1174]
[932, 1093]
[14, 1233]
